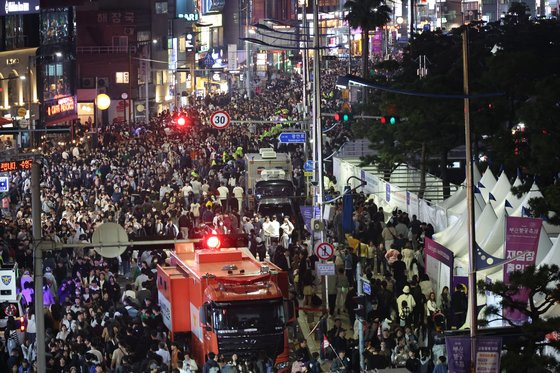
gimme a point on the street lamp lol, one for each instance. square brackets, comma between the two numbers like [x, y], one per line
[103, 101]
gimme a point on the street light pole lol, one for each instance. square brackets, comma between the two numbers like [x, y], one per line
[470, 202]
[317, 128]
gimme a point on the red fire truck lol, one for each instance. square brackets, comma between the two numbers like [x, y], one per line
[228, 301]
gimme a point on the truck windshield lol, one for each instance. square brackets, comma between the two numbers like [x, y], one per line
[280, 210]
[263, 316]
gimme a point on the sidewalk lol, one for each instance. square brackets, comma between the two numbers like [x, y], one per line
[308, 320]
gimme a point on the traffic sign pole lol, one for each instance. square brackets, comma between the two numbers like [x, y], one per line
[325, 251]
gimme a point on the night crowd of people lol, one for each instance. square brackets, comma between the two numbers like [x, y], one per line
[161, 181]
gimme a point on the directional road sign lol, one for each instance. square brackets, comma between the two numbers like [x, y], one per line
[220, 119]
[308, 166]
[292, 137]
[4, 184]
[324, 250]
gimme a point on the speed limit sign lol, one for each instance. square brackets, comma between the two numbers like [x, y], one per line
[220, 120]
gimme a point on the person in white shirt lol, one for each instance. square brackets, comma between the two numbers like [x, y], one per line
[274, 235]
[267, 230]
[189, 365]
[238, 194]
[224, 192]
[162, 351]
[287, 226]
[186, 190]
[196, 187]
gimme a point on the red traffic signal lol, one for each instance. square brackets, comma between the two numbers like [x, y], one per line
[343, 117]
[213, 242]
[388, 120]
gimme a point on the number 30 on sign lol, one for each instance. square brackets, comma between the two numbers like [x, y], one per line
[220, 119]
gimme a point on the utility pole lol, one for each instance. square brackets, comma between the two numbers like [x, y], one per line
[247, 50]
[38, 264]
[305, 59]
[146, 93]
[470, 201]
[317, 127]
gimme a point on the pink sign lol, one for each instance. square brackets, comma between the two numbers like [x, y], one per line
[522, 243]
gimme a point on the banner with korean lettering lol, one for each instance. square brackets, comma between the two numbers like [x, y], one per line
[488, 353]
[522, 242]
[458, 354]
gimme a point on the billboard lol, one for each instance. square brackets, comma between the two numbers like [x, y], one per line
[186, 9]
[9, 7]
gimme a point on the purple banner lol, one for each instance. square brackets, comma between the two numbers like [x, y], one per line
[307, 215]
[438, 252]
[387, 192]
[463, 280]
[488, 353]
[438, 264]
[458, 354]
[522, 243]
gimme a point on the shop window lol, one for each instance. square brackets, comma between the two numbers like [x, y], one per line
[54, 26]
[121, 77]
[159, 77]
[120, 41]
[13, 92]
[56, 81]
[14, 32]
[161, 7]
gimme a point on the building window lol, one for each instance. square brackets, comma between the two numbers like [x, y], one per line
[143, 36]
[121, 77]
[161, 7]
[120, 41]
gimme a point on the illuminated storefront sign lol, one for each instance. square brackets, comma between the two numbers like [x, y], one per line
[60, 110]
[18, 7]
[186, 9]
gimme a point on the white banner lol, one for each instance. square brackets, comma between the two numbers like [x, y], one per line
[232, 57]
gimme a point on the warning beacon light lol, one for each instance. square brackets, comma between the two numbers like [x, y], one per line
[213, 242]
[22, 324]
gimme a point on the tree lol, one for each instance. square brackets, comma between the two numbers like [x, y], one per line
[367, 15]
[525, 354]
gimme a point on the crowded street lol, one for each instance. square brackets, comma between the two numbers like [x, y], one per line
[161, 181]
[258, 186]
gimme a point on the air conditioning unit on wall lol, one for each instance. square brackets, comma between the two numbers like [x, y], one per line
[88, 82]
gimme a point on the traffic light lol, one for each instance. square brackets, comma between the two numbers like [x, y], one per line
[343, 117]
[360, 309]
[389, 120]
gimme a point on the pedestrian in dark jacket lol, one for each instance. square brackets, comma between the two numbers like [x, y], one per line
[211, 365]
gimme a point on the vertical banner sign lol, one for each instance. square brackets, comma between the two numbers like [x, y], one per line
[459, 354]
[522, 243]
[232, 57]
[387, 192]
[439, 264]
[488, 351]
